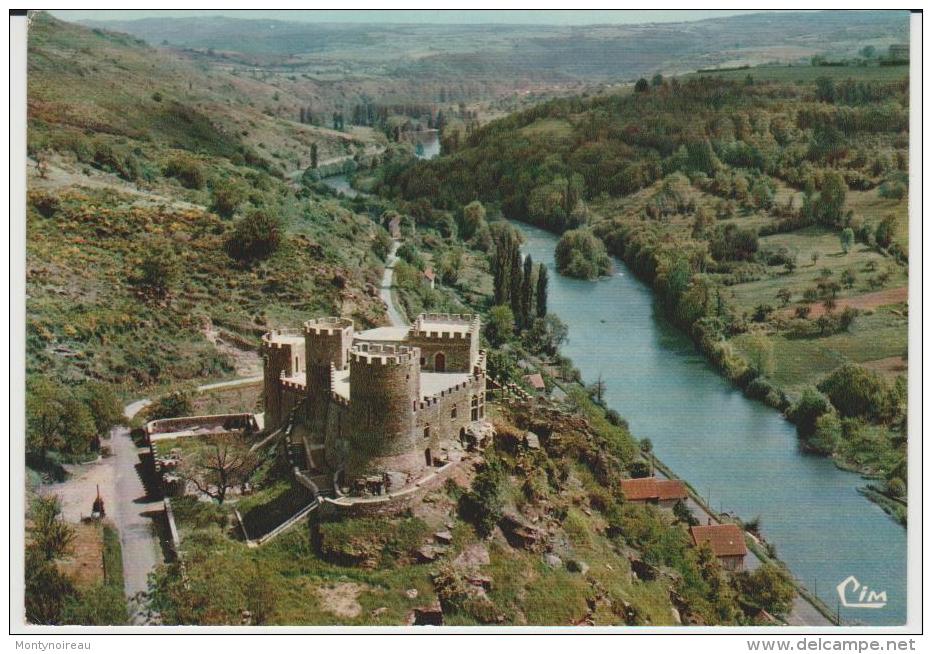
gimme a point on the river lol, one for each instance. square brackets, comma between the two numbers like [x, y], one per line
[427, 145]
[740, 453]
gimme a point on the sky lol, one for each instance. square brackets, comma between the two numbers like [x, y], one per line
[449, 17]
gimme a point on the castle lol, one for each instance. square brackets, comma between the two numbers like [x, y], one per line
[388, 404]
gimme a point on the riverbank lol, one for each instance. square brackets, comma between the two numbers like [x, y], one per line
[741, 453]
[750, 353]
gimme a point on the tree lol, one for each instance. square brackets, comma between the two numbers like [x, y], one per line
[641, 86]
[56, 419]
[858, 392]
[656, 80]
[473, 219]
[581, 254]
[597, 389]
[883, 234]
[733, 243]
[684, 514]
[847, 239]
[831, 201]
[541, 293]
[527, 294]
[314, 156]
[51, 536]
[484, 503]
[46, 589]
[546, 335]
[505, 258]
[499, 328]
[814, 257]
[768, 588]
[256, 236]
[159, 270]
[784, 295]
[103, 404]
[848, 278]
[223, 463]
[760, 349]
[807, 410]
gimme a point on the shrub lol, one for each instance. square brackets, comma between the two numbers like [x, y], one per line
[733, 243]
[768, 587]
[409, 253]
[226, 199]
[172, 405]
[483, 504]
[158, 271]
[256, 236]
[807, 410]
[826, 435]
[860, 393]
[187, 171]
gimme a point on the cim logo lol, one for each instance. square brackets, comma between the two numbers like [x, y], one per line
[855, 595]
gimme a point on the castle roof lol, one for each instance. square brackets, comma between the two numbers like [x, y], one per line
[725, 539]
[384, 334]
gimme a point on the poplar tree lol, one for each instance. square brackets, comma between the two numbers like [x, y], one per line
[541, 299]
[527, 293]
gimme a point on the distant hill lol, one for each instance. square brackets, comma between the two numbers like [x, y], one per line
[552, 52]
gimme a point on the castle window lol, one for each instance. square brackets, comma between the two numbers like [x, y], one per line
[427, 431]
[423, 361]
[453, 412]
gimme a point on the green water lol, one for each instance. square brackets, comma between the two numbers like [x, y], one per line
[740, 453]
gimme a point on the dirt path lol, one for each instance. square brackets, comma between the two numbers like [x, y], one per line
[385, 290]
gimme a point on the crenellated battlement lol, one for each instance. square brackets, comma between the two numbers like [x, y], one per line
[327, 326]
[446, 325]
[280, 338]
[385, 355]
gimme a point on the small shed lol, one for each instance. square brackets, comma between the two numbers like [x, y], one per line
[536, 381]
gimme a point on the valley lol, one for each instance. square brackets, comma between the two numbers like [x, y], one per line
[659, 261]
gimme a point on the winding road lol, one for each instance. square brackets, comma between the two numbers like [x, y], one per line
[385, 290]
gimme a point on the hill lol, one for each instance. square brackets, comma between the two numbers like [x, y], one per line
[769, 215]
[143, 169]
[341, 64]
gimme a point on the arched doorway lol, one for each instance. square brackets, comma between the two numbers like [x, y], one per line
[440, 362]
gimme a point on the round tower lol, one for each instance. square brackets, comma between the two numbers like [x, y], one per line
[326, 345]
[385, 390]
[282, 356]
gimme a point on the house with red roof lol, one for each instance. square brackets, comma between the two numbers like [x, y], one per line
[654, 490]
[726, 542]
